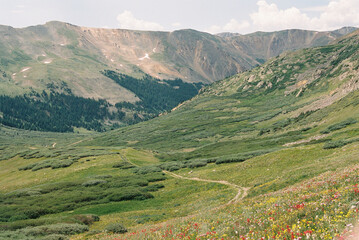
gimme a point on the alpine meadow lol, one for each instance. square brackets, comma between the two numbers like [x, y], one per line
[109, 134]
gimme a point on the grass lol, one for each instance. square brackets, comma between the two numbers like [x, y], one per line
[277, 137]
[319, 208]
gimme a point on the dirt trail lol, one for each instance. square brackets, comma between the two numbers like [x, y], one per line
[124, 158]
[79, 142]
[242, 192]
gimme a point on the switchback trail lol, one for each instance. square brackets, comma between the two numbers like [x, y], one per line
[241, 191]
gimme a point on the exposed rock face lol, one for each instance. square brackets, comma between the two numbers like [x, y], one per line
[60, 54]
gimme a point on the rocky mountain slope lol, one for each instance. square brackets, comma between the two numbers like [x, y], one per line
[263, 45]
[130, 76]
[300, 92]
[46, 56]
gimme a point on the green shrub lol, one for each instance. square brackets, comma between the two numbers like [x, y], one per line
[119, 183]
[14, 235]
[87, 219]
[241, 157]
[196, 163]
[35, 212]
[55, 237]
[146, 170]
[116, 228]
[28, 167]
[335, 144]
[93, 182]
[62, 163]
[155, 177]
[171, 166]
[123, 165]
[153, 188]
[42, 164]
[339, 126]
[60, 228]
[263, 131]
[129, 194]
[23, 192]
[231, 159]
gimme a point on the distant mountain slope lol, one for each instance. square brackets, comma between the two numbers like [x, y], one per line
[264, 45]
[158, 70]
[307, 96]
[34, 57]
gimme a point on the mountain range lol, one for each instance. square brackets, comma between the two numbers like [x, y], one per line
[109, 66]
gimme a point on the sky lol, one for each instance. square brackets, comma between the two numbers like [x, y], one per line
[213, 16]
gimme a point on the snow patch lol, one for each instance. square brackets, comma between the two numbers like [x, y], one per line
[25, 69]
[112, 60]
[154, 50]
[62, 44]
[14, 74]
[145, 57]
[48, 61]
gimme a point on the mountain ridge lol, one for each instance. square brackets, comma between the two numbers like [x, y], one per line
[187, 54]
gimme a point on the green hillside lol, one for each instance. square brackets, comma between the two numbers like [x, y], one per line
[70, 62]
[290, 98]
[271, 153]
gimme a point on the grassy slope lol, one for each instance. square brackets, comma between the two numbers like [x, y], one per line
[225, 121]
[229, 115]
[227, 118]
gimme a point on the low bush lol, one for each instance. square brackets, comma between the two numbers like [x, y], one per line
[196, 163]
[94, 182]
[60, 228]
[146, 170]
[15, 235]
[155, 177]
[87, 219]
[231, 159]
[123, 165]
[116, 228]
[62, 163]
[49, 163]
[129, 194]
[263, 131]
[55, 237]
[153, 187]
[171, 166]
[339, 126]
[335, 144]
[240, 157]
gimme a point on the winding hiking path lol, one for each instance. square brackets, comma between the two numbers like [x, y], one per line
[241, 191]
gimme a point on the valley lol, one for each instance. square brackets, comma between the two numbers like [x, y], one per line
[268, 153]
[71, 64]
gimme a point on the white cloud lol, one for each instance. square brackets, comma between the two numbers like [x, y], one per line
[232, 26]
[176, 24]
[336, 14]
[19, 9]
[314, 9]
[127, 20]
[268, 17]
